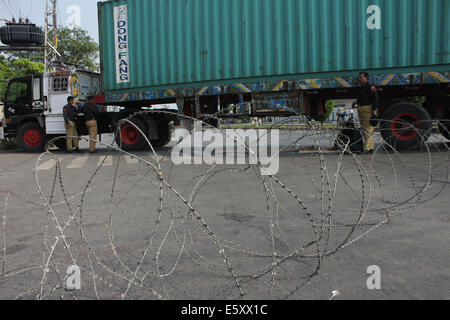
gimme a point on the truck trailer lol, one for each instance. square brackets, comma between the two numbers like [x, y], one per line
[205, 55]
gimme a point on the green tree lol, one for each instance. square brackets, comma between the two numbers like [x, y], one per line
[75, 46]
[329, 108]
[78, 48]
[22, 67]
[6, 73]
[13, 68]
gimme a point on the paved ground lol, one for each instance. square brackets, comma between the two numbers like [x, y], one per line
[119, 221]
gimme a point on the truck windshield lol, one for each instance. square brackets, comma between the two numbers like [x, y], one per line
[17, 92]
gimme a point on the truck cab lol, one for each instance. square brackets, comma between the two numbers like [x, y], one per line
[24, 96]
[33, 107]
[24, 104]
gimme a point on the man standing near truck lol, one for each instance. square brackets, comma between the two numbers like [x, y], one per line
[90, 111]
[367, 108]
[70, 112]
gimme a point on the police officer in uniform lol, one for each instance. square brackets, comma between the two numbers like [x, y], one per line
[367, 108]
[70, 112]
[90, 111]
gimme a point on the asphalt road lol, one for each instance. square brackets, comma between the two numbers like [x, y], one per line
[387, 210]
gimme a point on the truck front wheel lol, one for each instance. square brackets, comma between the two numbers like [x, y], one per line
[406, 126]
[30, 137]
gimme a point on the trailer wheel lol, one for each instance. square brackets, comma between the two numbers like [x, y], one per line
[30, 137]
[444, 128]
[129, 138]
[406, 126]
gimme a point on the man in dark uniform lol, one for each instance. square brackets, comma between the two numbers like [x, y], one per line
[70, 112]
[90, 111]
[367, 107]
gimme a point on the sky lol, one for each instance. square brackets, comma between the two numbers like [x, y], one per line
[67, 12]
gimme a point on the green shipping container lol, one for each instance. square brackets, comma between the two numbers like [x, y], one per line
[160, 44]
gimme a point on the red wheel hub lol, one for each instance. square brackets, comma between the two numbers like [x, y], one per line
[406, 126]
[129, 134]
[33, 138]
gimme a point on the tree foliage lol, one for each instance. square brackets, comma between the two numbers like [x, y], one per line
[329, 108]
[13, 68]
[23, 67]
[78, 48]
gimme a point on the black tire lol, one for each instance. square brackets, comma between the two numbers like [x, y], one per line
[444, 128]
[30, 137]
[163, 135]
[406, 126]
[129, 138]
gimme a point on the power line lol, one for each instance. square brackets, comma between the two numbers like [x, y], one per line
[18, 8]
[7, 8]
[59, 15]
[10, 8]
[13, 6]
[31, 9]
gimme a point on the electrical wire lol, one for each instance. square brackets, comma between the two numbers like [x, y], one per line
[59, 15]
[7, 8]
[31, 9]
[19, 10]
[14, 8]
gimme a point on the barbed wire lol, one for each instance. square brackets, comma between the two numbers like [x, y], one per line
[187, 244]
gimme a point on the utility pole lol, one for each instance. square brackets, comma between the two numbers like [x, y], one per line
[50, 29]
